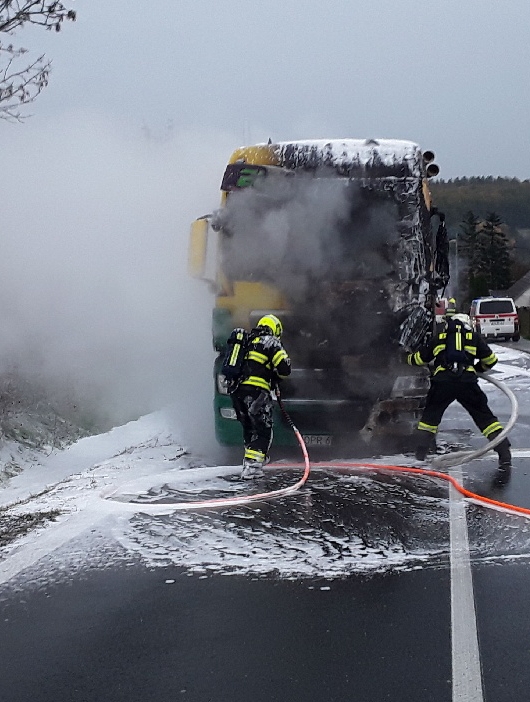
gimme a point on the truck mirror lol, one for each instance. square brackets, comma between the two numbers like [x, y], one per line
[201, 240]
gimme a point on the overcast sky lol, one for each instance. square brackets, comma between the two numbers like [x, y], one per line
[146, 102]
[451, 75]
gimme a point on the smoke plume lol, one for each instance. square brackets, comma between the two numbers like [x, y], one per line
[293, 232]
[96, 300]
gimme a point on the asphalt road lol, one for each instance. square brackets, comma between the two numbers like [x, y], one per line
[127, 635]
[456, 630]
[136, 634]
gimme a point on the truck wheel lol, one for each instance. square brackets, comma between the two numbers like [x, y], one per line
[516, 337]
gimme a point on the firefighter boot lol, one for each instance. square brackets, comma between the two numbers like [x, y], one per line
[421, 453]
[253, 464]
[426, 443]
[504, 469]
[252, 469]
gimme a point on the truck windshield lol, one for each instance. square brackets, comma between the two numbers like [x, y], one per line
[296, 230]
[496, 307]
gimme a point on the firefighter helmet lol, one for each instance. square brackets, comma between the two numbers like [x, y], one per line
[464, 318]
[273, 323]
[451, 307]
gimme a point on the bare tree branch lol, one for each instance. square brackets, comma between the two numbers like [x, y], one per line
[19, 87]
[14, 14]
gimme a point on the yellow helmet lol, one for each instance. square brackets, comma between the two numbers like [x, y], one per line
[273, 323]
[451, 307]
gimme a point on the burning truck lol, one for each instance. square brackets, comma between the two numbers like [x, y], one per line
[340, 239]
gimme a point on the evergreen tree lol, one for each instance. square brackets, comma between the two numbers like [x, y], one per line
[485, 255]
[493, 262]
[508, 197]
[468, 255]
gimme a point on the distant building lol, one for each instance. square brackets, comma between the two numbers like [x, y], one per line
[520, 291]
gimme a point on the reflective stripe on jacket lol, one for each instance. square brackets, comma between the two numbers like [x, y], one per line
[478, 354]
[266, 360]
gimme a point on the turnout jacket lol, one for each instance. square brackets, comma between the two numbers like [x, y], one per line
[266, 360]
[478, 355]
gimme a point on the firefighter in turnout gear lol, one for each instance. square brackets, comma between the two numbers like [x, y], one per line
[456, 355]
[266, 362]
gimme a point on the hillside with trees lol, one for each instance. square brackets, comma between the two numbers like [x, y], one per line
[508, 197]
[488, 220]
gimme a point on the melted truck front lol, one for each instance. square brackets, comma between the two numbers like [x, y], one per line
[340, 239]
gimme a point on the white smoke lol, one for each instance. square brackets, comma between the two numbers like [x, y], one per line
[295, 232]
[94, 290]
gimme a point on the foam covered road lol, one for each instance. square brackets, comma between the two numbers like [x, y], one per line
[346, 590]
[130, 632]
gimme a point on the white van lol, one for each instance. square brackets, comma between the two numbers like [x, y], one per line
[495, 317]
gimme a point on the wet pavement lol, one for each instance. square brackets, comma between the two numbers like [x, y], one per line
[135, 633]
[129, 635]
[355, 588]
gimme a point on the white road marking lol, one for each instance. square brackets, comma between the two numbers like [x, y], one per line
[521, 453]
[467, 676]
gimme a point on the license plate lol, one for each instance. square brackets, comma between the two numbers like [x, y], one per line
[317, 439]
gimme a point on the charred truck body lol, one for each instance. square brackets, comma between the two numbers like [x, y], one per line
[340, 240]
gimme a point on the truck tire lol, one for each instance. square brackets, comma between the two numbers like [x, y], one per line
[516, 337]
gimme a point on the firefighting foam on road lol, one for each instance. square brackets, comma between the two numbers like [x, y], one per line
[342, 522]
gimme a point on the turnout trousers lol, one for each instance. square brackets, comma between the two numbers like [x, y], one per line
[468, 393]
[253, 407]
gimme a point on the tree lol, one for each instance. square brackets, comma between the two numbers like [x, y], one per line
[20, 85]
[493, 263]
[469, 229]
[486, 251]
[508, 197]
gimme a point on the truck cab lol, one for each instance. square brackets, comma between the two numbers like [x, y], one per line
[340, 240]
